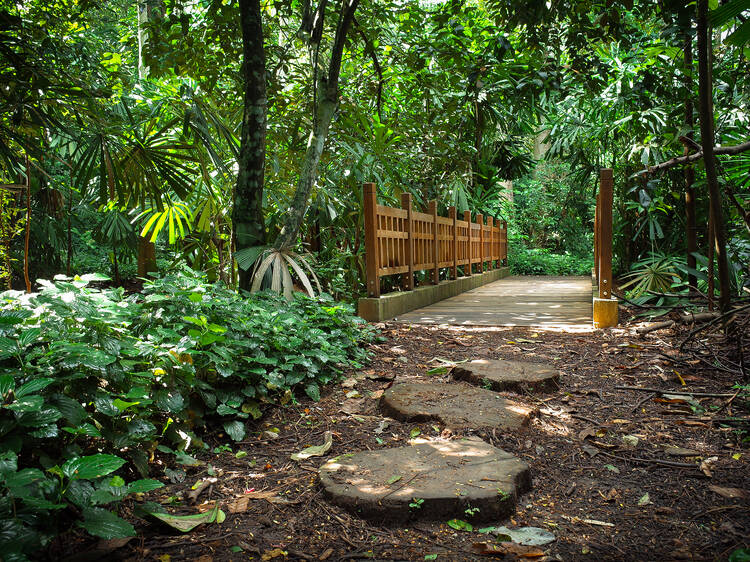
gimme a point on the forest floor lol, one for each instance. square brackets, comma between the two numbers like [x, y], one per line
[602, 496]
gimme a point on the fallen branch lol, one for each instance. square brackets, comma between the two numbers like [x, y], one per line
[686, 318]
[673, 464]
[684, 392]
[642, 330]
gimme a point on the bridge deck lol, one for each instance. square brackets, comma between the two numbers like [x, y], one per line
[543, 301]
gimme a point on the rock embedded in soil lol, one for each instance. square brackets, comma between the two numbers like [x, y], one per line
[511, 376]
[449, 477]
[455, 405]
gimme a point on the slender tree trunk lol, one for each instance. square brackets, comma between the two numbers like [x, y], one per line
[27, 228]
[326, 104]
[247, 212]
[309, 173]
[710, 255]
[689, 172]
[70, 231]
[707, 141]
[116, 265]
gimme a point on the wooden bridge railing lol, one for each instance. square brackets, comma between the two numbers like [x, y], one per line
[402, 241]
[605, 305]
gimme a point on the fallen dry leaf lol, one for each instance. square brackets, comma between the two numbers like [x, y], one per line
[241, 503]
[504, 549]
[706, 466]
[730, 493]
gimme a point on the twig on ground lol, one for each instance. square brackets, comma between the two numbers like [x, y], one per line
[642, 402]
[676, 391]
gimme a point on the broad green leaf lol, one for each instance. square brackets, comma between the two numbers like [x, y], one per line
[143, 486]
[105, 524]
[235, 430]
[187, 523]
[33, 386]
[93, 466]
[460, 525]
[7, 383]
[27, 404]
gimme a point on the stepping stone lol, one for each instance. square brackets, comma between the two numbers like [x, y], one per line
[448, 476]
[512, 376]
[455, 405]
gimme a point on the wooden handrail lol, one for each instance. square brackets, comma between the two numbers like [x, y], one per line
[402, 241]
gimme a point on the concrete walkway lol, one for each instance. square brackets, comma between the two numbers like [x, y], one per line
[542, 301]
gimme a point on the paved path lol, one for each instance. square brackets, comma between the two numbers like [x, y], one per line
[543, 301]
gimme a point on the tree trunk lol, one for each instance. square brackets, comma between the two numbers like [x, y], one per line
[146, 257]
[689, 172]
[325, 108]
[247, 212]
[296, 212]
[707, 141]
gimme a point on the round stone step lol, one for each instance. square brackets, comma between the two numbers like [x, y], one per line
[455, 405]
[428, 480]
[511, 376]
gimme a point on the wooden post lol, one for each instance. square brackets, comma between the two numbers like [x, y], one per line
[480, 222]
[409, 275]
[490, 246]
[454, 248]
[432, 210]
[504, 255]
[371, 239]
[605, 233]
[493, 243]
[596, 239]
[467, 218]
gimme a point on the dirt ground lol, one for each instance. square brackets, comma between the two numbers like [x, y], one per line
[603, 480]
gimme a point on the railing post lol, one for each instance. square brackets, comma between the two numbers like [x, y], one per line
[596, 239]
[480, 222]
[432, 210]
[408, 277]
[493, 243]
[467, 218]
[371, 239]
[605, 234]
[454, 246]
[605, 306]
[504, 254]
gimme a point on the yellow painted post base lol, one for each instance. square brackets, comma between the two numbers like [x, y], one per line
[605, 313]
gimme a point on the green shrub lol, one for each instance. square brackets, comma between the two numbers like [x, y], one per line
[92, 378]
[539, 261]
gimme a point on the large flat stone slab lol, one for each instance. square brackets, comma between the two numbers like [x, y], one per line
[455, 405]
[448, 476]
[511, 376]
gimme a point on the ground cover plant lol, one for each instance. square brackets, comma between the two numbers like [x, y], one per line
[93, 381]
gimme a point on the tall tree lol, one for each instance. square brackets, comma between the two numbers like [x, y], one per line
[247, 213]
[326, 89]
[705, 95]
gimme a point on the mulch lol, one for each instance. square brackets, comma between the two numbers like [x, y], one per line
[602, 481]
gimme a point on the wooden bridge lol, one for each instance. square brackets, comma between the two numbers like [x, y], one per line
[461, 266]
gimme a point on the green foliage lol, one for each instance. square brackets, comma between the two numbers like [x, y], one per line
[539, 261]
[84, 370]
[657, 273]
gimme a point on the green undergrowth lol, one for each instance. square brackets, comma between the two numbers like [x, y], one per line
[539, 261]
[94, 381]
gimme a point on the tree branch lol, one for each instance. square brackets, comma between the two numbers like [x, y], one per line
[689, 159]
[370, 49]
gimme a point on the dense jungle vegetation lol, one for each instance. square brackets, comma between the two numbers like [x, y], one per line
[193, 142]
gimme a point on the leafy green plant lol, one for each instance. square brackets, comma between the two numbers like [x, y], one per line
[84, 371]
[656, 273]
[416, 503]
